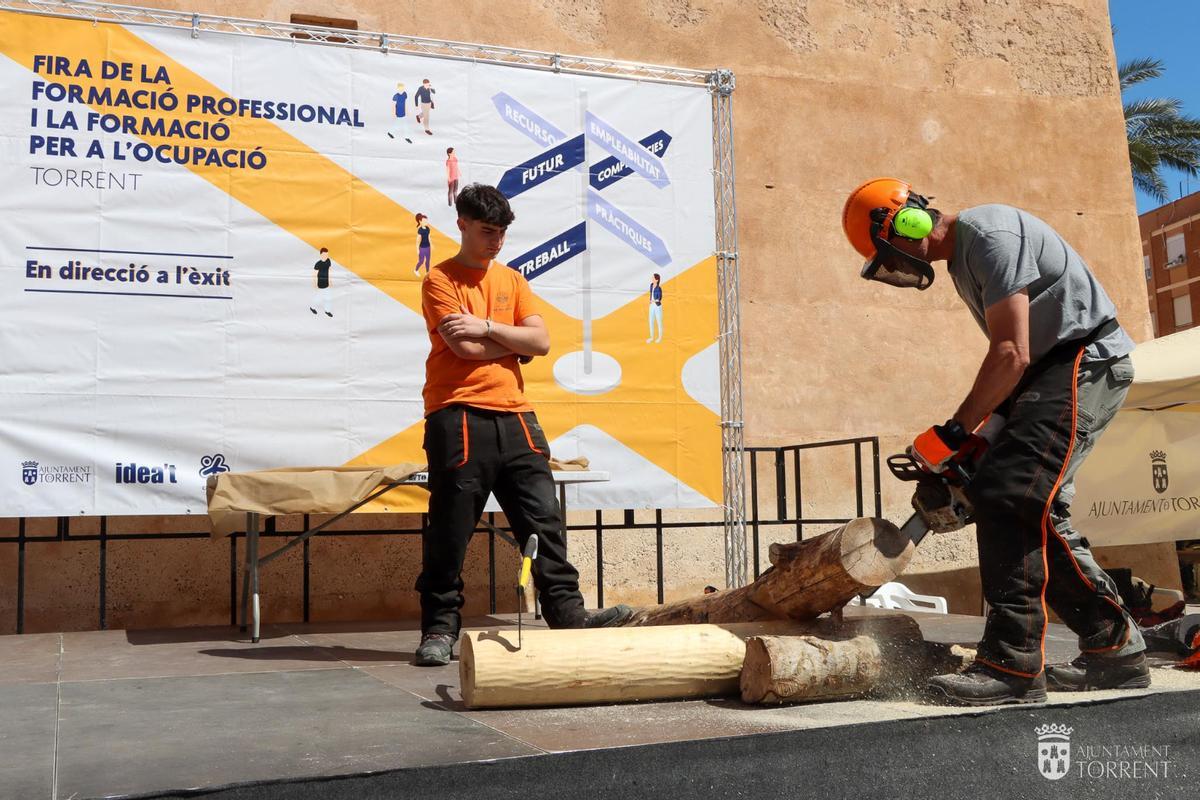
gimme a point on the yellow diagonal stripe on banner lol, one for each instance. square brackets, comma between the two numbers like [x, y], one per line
[308, 195]
[300, 190]
[649, 412]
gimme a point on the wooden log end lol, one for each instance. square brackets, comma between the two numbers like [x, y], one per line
[755, 680]
[874, 551]
[466, 670]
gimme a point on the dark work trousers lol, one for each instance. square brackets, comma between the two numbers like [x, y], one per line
[473, 453]
[1029, 556]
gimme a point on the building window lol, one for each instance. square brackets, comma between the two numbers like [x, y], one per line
[1176, 251]
[1146, 265]
[1183, 311]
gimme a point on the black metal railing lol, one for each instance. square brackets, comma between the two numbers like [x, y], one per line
[784, 496]
[786, 471]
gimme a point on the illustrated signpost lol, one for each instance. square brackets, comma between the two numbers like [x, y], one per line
[585, 371]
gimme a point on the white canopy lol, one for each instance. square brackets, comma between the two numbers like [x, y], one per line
[1167, 371]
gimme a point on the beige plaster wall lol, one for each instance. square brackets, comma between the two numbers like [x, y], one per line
[973, 101]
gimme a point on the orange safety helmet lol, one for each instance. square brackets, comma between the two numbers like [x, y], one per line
[872, 214]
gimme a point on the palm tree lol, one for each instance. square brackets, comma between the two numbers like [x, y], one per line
[1159, 134]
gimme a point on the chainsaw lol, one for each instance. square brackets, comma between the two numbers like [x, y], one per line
[939, 502]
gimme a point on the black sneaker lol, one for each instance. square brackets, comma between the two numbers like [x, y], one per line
[613, 617]
[435, 650]
[1089, 672]
[981, 685]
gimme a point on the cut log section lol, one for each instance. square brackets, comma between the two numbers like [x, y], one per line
[807, 578]
[617, 665]
[854, 659]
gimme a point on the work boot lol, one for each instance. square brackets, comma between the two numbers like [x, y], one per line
[981, 685]
[1091, 671]
[435, 650]
[613, 617]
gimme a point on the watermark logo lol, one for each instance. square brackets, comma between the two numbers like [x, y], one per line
[29, 472]
[213, 465]
[1054, 750]
[1158, 470]
[1057, 757]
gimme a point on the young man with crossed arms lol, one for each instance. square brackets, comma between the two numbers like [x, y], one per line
[481, 435]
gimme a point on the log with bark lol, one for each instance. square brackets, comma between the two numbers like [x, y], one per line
[854, 658]
[613, 665]
[806, 578]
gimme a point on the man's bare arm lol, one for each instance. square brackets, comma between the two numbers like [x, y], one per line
[530, 338]
[1006, 360]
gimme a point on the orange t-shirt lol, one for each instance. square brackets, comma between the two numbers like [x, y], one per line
[497, 293]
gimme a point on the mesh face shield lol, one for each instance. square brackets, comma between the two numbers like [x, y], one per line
[895, 272]
[893, 266]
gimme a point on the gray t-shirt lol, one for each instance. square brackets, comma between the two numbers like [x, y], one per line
[1000, 250]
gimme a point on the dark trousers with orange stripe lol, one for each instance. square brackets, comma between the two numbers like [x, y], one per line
[473, 453]
[1029, 555]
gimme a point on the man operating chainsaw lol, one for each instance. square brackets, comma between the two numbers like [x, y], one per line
[1056, 371]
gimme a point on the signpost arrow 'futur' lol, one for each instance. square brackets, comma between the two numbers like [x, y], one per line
[542, 167]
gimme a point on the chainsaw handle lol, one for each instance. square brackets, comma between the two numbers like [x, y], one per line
[905, 468]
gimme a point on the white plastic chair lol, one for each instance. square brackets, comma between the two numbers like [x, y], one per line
[897, 596]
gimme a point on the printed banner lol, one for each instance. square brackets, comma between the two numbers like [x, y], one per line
[211, 259]
[1141, 482]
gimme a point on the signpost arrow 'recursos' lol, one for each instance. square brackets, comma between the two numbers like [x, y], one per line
[542, 167]
[610, 170]
[632, 154]
[526, 121]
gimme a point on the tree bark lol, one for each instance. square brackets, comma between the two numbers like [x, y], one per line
[851, 659]
[806, 579]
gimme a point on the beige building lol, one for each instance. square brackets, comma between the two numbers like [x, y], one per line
[973, 101]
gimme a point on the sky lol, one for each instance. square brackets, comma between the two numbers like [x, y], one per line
[1168, 30]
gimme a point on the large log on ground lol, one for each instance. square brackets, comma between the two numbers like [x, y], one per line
[806, 579]
[614, 665]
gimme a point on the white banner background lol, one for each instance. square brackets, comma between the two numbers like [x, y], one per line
[246, 372]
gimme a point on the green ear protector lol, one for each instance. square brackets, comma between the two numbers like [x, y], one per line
[912, 221]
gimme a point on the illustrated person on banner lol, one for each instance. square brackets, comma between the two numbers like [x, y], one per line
[400, 103]
[452, 176]
[424, 101]
[481, 434]
[424, 249]
[656, 295]
[324, 295]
